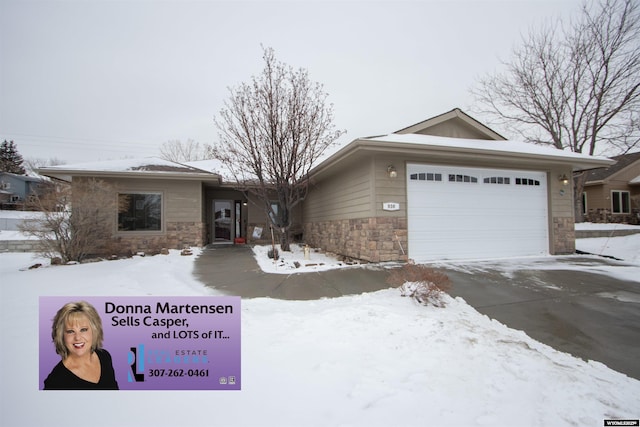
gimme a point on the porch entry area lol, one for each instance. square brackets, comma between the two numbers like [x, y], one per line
[226, 221]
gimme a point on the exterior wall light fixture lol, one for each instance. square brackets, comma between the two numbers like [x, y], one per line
[391, 170]
[563, 179]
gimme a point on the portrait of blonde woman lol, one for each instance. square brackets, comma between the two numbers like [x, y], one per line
[77, 336]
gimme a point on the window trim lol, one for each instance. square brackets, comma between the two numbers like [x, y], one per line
[621, 203]
[497, 180]
[146, 232]
[526, 182]
[426, 176]
[462, 178]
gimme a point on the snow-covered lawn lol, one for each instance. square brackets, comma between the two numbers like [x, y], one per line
[364, 360]
[626, 248]
[605, 226]
[9, 221]
[7, 214]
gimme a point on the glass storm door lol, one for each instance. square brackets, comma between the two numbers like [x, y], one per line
[222, 220]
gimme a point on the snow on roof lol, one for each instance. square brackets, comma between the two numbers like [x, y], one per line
[29, 176]
[483, 145]
[635, 180]
[147, 164]
[211, 165]
[214, 166]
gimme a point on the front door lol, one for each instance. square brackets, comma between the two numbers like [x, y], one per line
[222, 221]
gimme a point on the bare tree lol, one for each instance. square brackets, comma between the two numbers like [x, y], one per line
[77, 221]
[575, 86]
[178, 151]
[272, 131]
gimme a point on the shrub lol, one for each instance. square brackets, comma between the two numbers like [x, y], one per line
[273, 254]
[77, 220]
[424, 284]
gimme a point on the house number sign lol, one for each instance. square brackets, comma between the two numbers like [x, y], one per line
[390, 206]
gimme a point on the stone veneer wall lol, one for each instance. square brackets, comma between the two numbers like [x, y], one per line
[605, 216]
[177, 235]
[369, 239]
[564, 236]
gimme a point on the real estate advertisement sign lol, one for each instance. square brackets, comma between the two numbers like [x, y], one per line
[154, 343]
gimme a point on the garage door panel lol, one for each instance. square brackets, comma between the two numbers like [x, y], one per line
[501, 213]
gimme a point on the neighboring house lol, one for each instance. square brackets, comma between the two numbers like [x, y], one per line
[15, 190]
[446, 188]
[612, 194]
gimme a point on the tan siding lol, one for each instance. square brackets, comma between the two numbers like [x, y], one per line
[183, 202]
[256, 217]
[181, 199]
[617, 186]
[390, 189]
[454, 129]
[596, 198]
[599, 196]
[181, 216]
[561, 215]
[344, 197]
[561, 204]
[255, 212]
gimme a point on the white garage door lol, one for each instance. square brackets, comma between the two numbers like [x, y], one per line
[467, 213]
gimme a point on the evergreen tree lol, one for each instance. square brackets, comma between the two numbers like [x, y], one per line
[10, 159]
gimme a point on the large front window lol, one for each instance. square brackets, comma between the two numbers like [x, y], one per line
[139, 212]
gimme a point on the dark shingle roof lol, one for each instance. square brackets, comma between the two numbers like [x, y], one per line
[622, 162]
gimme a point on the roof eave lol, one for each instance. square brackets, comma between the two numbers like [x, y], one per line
[407, 148]
[67, 175]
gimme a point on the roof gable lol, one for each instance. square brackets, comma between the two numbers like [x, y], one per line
[622, 162]
[454, 124]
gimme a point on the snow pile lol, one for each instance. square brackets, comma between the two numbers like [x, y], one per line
[367, 360]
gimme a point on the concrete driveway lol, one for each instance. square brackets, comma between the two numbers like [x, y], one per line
[573, 306]
[581, 310]
[233, 270]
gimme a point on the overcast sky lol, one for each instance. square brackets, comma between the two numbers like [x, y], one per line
[97, 80]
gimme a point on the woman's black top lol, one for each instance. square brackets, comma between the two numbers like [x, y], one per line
[62, 378]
